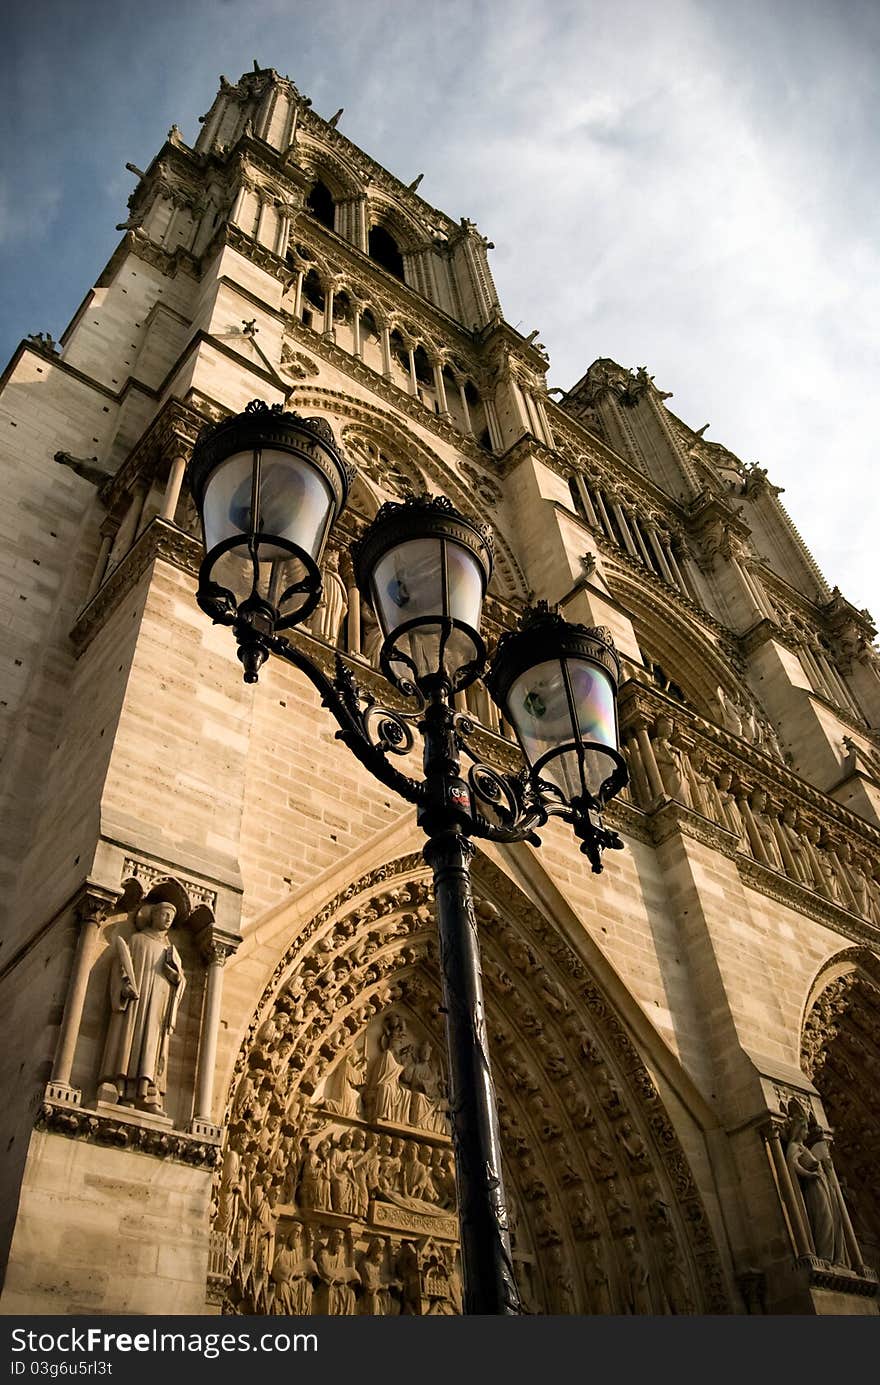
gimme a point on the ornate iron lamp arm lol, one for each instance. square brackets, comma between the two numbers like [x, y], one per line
[371, 732]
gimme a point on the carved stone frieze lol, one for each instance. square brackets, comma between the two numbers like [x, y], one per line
[79, 1122]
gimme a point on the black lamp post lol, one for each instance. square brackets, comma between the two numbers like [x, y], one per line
[268, 486]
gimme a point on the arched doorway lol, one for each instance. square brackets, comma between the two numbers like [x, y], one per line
[336, 1193]
[840, 1052]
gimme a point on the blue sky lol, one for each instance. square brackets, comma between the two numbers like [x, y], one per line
[688, 186]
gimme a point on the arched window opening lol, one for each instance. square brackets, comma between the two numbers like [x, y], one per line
[369, 329]
[399, 352]
[383, 249]
[319, 204]
[342, 307]
[312, 290]
[424, 369]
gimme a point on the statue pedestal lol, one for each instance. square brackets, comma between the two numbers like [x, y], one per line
[132, 1115]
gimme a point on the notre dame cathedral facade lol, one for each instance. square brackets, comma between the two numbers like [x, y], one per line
[686, 1047]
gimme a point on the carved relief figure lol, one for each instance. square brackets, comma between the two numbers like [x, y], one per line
[314, 1183]
[636, 1279]
[389, 1098]
[376, 1299]
[146, 986]
[425, 1108]
[338, 1274]
[342, 1090]
[676, 1289]
[294, 1274]
[598, 1283]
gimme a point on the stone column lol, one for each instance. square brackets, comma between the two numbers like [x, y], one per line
[624, 528]
[640, 542]
[440, 386]
[357, 347]
[298, 294]
[91, 909]
[654, 540]
[172, 490]
[215, 957]
[649, 762]
[676, 572]
[385, 337]
[329, 294]
[413, 380]
[465, 409]
[100, 565]
[604, 516]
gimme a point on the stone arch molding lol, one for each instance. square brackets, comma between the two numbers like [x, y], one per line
[336, 1190]
[361, 426]
[840, 1053]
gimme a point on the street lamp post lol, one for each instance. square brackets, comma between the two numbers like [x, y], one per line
[268, 486]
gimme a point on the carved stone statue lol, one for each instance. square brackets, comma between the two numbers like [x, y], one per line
[342, 1090]
[294, 1274]
[313, 1189]
[671, 762]
[596, 1275]
[146, 986]
[811, 1178]
[390, 1100]
[729, 806]
[425, 1108]
[376, 1299]
[761, 809]
[676, 1289]
[338, 1274]
[328, 617]
[636, 1279]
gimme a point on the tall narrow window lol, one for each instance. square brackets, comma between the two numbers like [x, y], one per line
[320, 205]
[383, 249]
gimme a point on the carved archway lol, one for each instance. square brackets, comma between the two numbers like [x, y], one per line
[840, 1051]
[338, 1166]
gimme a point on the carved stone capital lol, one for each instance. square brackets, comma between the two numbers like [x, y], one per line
[94, 903]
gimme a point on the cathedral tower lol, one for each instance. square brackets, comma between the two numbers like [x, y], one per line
[224, 1062]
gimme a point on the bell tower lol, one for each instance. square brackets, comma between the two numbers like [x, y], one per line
[199, 863]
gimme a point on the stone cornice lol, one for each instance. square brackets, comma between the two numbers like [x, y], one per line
[77, 1122]
[159, 540]
[175, 426]
[761, 633]
[671, 818]
[805, 901]
[640, 703]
